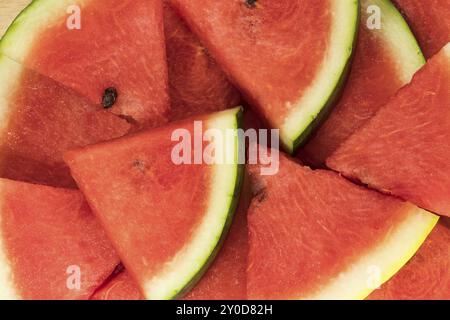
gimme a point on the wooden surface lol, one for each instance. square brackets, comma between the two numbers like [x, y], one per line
[9, 9]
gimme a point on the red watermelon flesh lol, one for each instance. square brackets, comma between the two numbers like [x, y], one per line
[427, 275]
[41, 120]
[378, 71]
[121, 287]
[120, 45]
[404, 149]
[197, 84]
[142, 198]
[214, 16]
[274, 51]
[308, 230]
[144, 165]
[429, 20]
[44, 231]
[226, 279]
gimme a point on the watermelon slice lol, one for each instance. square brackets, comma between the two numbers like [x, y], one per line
[315, 235]
[119, 46]
[427, 275]
[46, 243]
[197, 85]
[288, 57]
[41, 119]
[133, 185]
[404, 149]
[226, 279]
[385, 60]
[430, 21]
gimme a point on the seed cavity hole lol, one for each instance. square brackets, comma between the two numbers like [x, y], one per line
[251, 3]
[139, 165]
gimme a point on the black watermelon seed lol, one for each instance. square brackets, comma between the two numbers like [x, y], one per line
[109, 97]
[250, 3]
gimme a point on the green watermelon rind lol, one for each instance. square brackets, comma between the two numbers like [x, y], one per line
[291, 140]
[409, 44]
[9, 33]
[19, 38]
[233, 195]
[323, 114]
[234, 202]
[231, 213]
[403, 37]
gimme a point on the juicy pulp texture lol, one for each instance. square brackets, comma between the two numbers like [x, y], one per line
[314, 235]
[120, 287]
[197, 85]
[120, 44]
[148, 189]
[384, 61]
[430, 22]
[279, 53]
[427, 275]
[40, 120]
[404, 149]
[43, 233]
[226, 278]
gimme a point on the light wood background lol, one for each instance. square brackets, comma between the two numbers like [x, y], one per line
[9, 9]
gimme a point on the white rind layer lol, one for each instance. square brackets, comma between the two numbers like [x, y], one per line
[398, 38]
[10, 75]
[23, 33]
[382, 262]
[7, 288]
[193, 258]
[447, 49]
[339, 52]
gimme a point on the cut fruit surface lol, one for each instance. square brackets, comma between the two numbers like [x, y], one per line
[40, 120]
[51, 245]
[226, 279]
[197, 85]
[93, 45]
[430, 22]
[120, 287]
[315, 235]
[404, 149]
[385, 60]
[166, 221]
[288, 57]
[427, 275]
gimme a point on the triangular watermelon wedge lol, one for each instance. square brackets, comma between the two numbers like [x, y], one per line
[95, 45]
[315, 235]
[385, 60]
[51, 245]
[167, 221]
[226, 279]
[404, 150]
[289, 58]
